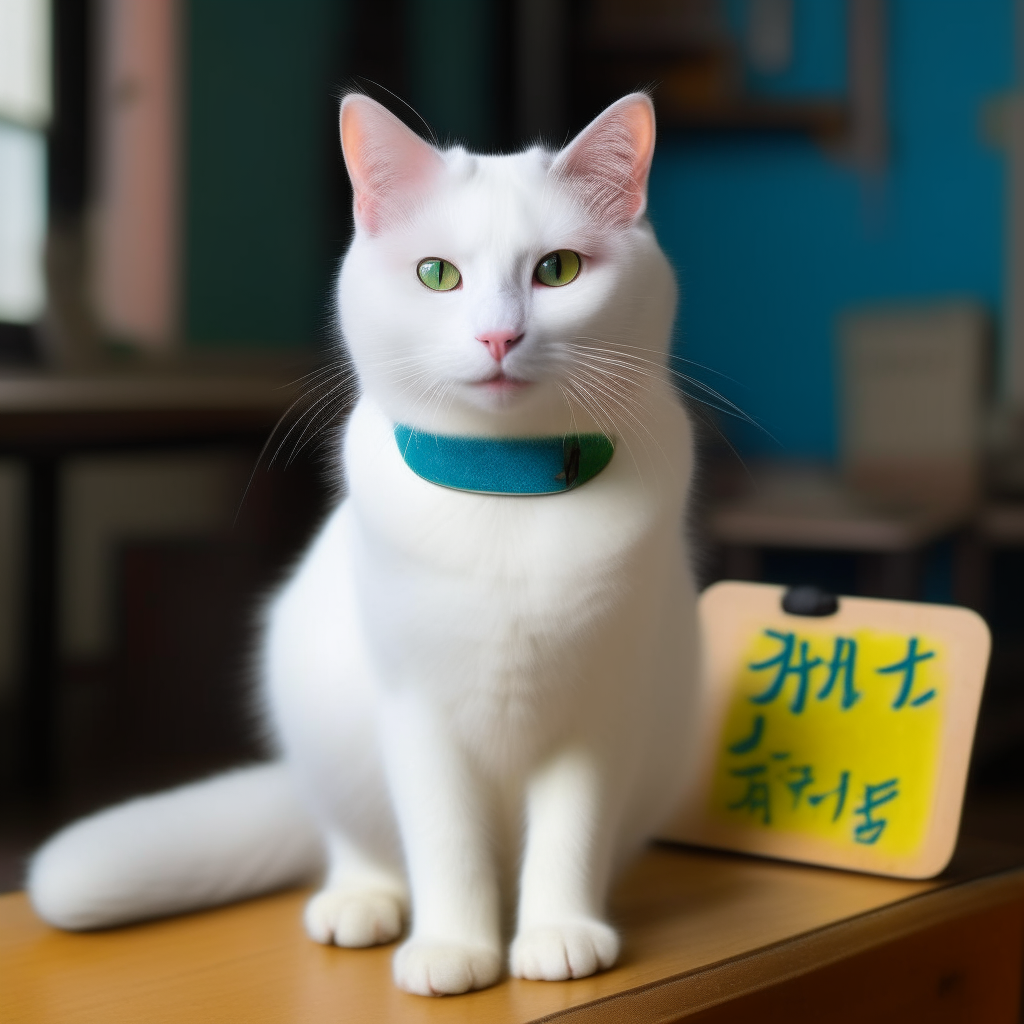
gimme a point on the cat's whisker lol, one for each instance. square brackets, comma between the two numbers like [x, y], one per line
[597, 414]
[709, 397]
[631, 385]
[672, 357]
[437, 394]
[613, 393]
[336, 368]
[424, 393]
[586, 388]
[598, 404]
[326, 408]
[330, 367]
[303, 398]
[453, 392]
[431, 397]
[660, 363]
[652, 371]
[411, 379]
[651, 368]
[347, 382]
[396, 361]
[698, 404]
[574, 428]
[634, 380]
[321, 423]
[630, 393]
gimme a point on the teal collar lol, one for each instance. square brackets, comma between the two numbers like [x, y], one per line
[505, 465]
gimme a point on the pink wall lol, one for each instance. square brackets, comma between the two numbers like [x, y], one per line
[137, 210]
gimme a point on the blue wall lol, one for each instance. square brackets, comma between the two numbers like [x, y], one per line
[772, 239]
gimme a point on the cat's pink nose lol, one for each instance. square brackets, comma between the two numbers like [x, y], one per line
[499, 342]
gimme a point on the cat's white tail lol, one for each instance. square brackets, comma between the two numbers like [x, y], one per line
[222, 839]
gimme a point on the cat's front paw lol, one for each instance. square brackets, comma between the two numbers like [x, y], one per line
[428, 968]
[557, 952]
[353, 917]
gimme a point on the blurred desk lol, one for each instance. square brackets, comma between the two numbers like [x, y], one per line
[41, 412]
[814, 510]
[998, 524]
[708, 938]
[45, 418]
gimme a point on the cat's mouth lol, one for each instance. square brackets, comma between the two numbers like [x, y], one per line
[502, 383]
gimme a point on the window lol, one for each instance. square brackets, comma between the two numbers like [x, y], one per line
[25, 108]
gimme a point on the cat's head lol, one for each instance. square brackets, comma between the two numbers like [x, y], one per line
[504, 294]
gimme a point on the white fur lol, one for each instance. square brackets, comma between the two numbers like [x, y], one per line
[464, 687]
[188, 848]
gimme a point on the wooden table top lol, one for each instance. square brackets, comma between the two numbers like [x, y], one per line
[140, 405]
[853, 527]
[697, 927]
[181, 384]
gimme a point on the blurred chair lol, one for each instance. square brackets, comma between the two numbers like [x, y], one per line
[912, 408]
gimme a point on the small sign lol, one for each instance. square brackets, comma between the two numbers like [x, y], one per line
[840, 739]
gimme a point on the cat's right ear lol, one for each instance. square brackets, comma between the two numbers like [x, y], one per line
[607, 164]
[387, 162]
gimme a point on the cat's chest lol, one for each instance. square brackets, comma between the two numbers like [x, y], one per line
[498, 620]
[543, 552]
[497, 597]
[455, 583]
[499, 576]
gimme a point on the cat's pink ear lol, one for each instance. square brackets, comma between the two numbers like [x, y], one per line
[607, 164]
[389, 164]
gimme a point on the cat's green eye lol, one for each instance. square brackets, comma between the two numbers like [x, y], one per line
[438, 274]
[558, 268]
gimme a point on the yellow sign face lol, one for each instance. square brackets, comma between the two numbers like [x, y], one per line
[834, 735]
[840, 739]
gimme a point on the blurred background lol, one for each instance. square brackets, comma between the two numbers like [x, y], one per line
[839, 184]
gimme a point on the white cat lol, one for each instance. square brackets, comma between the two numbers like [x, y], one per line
[463, 686]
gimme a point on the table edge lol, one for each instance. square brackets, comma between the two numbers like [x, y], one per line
[663, 1001]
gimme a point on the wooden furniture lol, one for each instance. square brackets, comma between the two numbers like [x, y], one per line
[709, 938]
[810, 509]
[46, 418]
[912, 414]
[697, 60]
[999, 524]
[913, 402]
[805, 507]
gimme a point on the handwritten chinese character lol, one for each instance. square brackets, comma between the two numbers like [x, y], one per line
[784, 660]
[908, 667]
[757, 798]
[839, 793]
[797, 779]
[749, 743]
[871, 827]
[843, 663]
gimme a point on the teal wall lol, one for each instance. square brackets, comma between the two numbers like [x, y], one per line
[453, 68]
[263, 173]
[260, 104]
[773, 239]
